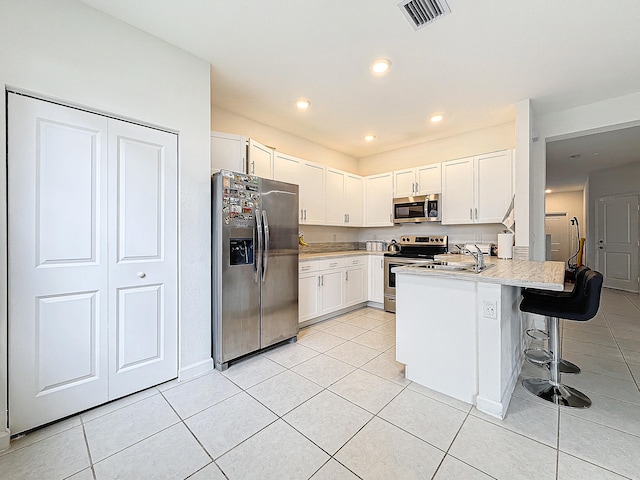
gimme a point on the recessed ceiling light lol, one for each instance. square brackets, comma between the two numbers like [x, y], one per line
[438, 117]
[380, 65]
[548, 190]
[369, 138]
[303, 104]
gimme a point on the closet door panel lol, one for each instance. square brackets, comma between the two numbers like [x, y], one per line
[57, 167]
[143, 273]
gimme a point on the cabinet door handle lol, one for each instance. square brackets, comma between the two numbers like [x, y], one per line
[346, 276]
[417, 188]
[471, 214]
[305, 214]
[476, 213]
[322, 280]
[381, 263]
[301, 213]
[319, 276]
[348, 219]
[390, 218]
[253, 167]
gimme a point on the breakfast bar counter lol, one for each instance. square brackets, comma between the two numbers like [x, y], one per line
[461, 333]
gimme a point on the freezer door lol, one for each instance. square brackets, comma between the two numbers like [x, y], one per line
[236, 275]
[240, 321]
[279, 302]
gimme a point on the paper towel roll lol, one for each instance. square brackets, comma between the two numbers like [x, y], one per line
[505, 245]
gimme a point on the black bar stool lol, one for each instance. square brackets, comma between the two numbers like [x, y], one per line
[580, 307]
[542, 357]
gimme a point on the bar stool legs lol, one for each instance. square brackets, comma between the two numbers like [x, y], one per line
[552, 390]
[542, 358]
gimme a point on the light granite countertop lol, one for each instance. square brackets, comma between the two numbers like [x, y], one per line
[517, 273]
[326, 255]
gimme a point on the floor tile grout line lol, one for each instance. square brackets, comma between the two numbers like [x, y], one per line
[86, 443]
[594, 464]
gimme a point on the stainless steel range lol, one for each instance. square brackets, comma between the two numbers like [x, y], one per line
[413, 250]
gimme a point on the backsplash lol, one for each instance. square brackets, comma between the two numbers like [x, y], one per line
[332, 247]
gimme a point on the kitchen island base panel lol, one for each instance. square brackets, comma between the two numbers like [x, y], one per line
[449, 345]
[439, 354]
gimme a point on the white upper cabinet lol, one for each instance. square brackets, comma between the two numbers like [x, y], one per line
[312, 194]
[428, 178]
[287, 168]
[457, 191]
[260, 159]
[422, 180]
[344, 198]
[477, 189]
[354, 199]
[228, 152]
[378, 203]
[404, 183]
[494, 189]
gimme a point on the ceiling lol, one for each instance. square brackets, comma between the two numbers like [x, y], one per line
[570, 161]
[473, 64]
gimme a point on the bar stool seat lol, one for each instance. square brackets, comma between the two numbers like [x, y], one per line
[543, 357]
[580, 307]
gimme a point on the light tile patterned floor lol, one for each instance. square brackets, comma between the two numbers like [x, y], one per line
[336, 405]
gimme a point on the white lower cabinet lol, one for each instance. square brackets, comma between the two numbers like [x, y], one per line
[332, 291]
[376, 278]
[355, 281]
[308, 292]
[326, 286]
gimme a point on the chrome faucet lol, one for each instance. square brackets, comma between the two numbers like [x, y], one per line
[478, 257]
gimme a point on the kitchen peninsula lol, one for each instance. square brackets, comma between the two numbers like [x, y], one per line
[461, 333]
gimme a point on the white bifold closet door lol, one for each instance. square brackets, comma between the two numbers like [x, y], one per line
[92, 235]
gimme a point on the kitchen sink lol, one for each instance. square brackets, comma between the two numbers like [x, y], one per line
[453, 266]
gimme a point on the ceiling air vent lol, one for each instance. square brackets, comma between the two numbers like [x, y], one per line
[422, 12]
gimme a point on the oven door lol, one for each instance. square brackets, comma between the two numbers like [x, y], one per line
[389, 276]
[392, 262]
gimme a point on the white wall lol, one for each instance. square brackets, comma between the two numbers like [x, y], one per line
[228, 122]
[500, 137]
[605, 183]
[66, 50]
[611, 114]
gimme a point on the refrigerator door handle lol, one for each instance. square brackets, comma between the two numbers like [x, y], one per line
[258, 253]
[265, 223]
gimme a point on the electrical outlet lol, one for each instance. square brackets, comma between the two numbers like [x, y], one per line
[489, 309]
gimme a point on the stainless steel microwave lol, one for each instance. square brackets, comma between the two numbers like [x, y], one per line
[425, 208]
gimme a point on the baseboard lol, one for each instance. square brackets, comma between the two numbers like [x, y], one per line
[499, 409]
[327, 316]
[195, 369]
[375, 305]
[491, 407]
[5, 439]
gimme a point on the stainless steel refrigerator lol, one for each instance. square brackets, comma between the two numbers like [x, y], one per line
[255, 264]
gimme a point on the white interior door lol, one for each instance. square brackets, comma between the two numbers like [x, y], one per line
[142, 257]
[92, 238]
[617, 241]
[557, 225]
[57, 170]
